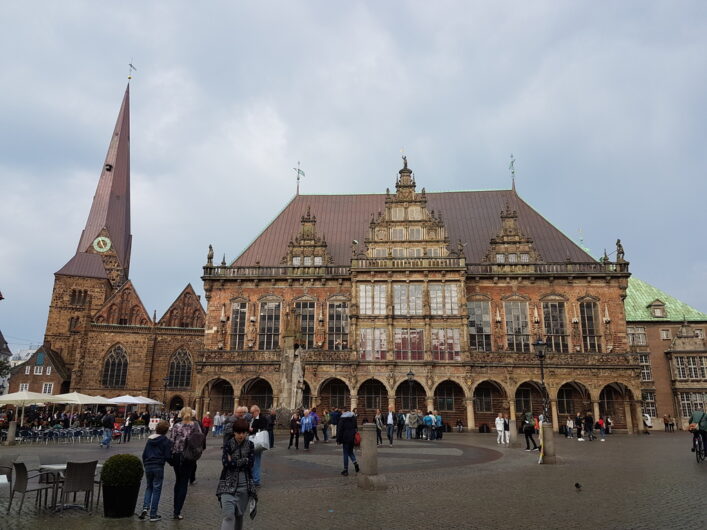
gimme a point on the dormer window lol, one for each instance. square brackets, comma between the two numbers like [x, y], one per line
[658, 312]
[415, 233]
[415, 213]
[308, 261]
[512, 258]
[397, 234]
[380, 253]
[398, 214]
[525, 258]
[317, 260]
[296, 261]
[500, 258]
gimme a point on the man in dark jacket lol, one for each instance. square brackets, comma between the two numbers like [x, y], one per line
[158, 450]
[334, 416]
[345, 435]
[107, 423]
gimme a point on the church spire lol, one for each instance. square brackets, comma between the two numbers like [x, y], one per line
[107, 230]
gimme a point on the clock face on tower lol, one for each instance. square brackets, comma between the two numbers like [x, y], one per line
[101, 244]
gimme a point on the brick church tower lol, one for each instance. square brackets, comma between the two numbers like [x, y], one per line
[102, 260]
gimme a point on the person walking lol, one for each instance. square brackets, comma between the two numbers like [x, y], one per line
[334, 416]
[400, 425]
[207, 422]
[107, 422]
[345, 435]
[235, 485]
[589, 426]
[647, 423]
[602, 429]
[158, 450]
[578, 421]
[183, 467]
[257, 424]
[499, 428]
[218, 424]
[294, 430]
[326, 419]
[666, 422]
[306, 427]
[270, 419]
[130, 420]
[410, 425]
[379, 427]
[569, 426]
[671, 423]
[315, 422]
[529, 430]
[390, 420]
[506, 430]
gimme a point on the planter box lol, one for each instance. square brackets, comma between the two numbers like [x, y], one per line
[120, 501]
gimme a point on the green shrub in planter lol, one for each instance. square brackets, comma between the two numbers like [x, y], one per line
[121, 476]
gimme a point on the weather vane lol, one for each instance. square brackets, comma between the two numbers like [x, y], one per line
[131, 69]
[300, 173]
[512, 167]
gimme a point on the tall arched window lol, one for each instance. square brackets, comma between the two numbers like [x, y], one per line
[115, 368]
[180, 370]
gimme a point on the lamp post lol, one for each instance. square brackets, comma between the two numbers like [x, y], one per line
[411, 380]
[546, 437]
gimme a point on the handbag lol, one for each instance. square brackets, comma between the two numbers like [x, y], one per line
[261, 441]
[357, 439]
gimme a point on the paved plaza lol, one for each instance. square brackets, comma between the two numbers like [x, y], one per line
[462, 481]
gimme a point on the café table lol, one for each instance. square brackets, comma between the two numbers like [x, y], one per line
[58, 469]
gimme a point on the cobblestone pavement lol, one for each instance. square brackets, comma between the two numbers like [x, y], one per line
[463, 481]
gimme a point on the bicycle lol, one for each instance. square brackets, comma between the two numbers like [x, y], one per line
[697, 445]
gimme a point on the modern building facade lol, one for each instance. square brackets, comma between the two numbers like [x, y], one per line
[403, 298]
[669, 338]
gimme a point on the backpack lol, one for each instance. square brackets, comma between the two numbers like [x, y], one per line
[194, 444]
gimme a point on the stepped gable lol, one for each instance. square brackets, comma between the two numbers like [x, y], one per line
[124, 308]
[469, 216]
[109, 217]
[185, 312]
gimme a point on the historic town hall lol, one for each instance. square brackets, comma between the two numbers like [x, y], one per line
[404, 297]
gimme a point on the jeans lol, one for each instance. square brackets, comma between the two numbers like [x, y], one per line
[314, 431]
[154, 476]
[325, 431]
[379, 436]
[602, 432]
[229, 512]
[390, 428]
[401, 427]
[271, 435]
[257, 457]
[348, 453]
[107, 436]
[307, 439]
[295, 436]
[429, 432]
[409, 433]
[182, 472]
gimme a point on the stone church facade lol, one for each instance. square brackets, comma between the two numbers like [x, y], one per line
[407, 298]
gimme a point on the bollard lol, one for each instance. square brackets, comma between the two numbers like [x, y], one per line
[11, 431]
[547, 438]
[368, 478]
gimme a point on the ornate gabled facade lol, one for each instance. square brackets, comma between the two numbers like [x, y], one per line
[427, 300]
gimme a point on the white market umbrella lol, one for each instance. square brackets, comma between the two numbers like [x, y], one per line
[147, 401]
[22, 398]
[125, 400]
[76, 398]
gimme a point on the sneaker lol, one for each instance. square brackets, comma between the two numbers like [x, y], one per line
[155, 518]
[345, 473]
[178, 517]
[536, 449]
[527, 450]
[143, 514]
[602, 440]
[580, 439]
[356, 467]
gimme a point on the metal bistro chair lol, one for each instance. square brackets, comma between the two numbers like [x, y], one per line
[23, 486]
[79, 477]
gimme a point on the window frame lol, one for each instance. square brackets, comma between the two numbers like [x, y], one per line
[269, 319]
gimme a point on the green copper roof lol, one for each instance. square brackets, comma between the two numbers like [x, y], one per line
[641, 294]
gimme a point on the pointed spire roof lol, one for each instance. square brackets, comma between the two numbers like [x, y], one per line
[110, 211]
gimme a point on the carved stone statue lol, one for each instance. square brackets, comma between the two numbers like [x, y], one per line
[297, 382]
[210, 256]
[619, 251]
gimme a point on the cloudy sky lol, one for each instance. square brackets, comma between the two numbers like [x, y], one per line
[603, 105]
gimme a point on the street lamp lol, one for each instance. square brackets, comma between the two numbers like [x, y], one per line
[164, 393]
[540, 346]
[411, 380]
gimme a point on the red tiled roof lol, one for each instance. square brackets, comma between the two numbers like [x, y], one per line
[470, 216]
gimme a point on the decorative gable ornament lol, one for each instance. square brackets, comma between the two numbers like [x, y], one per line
[307, 249]
[511, 247]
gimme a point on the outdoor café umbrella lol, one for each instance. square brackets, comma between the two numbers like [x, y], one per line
[147, 401]
[76, 398]
[125, 400]
[24, 397]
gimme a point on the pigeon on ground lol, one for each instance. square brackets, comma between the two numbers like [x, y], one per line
[578, 486]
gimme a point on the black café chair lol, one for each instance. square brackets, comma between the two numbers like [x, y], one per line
[22, 485]
[79, 477]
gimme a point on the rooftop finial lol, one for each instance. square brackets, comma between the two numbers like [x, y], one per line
[405, 162]
[131, 69]
[512, 167]
[300, 173]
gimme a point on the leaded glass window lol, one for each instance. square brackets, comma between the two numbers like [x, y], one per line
[517, 329]
[444, 298]
[305, 313]
[446, 344]
[372, 298]
[238, 321]
[589, 312]
[269, 326]
[407, 298]
[479, 326]
[373, 343]
[555, 328]
[645, 362]
[115, 368]
[338, 332]
[180, 370]
[409, 344]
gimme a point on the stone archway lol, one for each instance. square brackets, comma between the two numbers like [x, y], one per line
[176, 403]
[410, 395]
[572, 397]
[256, 392]
[334, 393]
[219, 396]
[529, 398]
[450, 402]
[489, 399]
[372, 395]
[615, 402]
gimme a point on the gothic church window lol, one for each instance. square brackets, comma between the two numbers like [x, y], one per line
[479, 326]
[517, 329]
[589, 316]
[238, 321]
[180, 368]
[115, 368]
[269, 329]
[338, 329]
